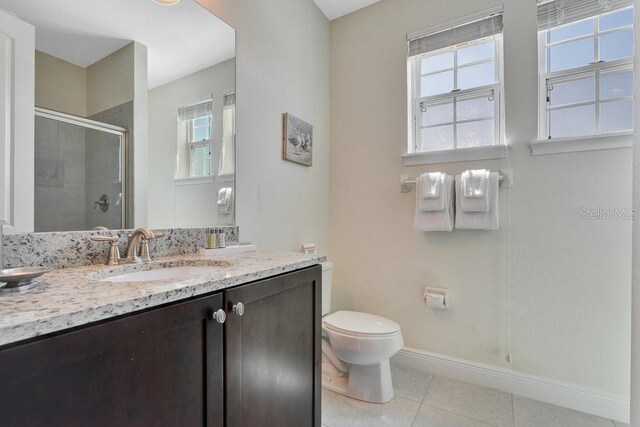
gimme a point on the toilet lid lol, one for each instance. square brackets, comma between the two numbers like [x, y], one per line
[360, 323]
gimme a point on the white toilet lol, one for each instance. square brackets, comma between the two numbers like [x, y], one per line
[356, 348]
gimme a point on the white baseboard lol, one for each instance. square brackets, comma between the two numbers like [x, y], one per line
[557, 393]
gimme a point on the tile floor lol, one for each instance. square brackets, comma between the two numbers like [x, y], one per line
[425, 400]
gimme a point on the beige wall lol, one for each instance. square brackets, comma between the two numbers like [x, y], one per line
[110, 81]
[69, 88]
[282, 66]
[60, 85]
[564, 282]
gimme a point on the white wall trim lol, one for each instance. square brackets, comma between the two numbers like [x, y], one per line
[194, 180]
[487, 152]
[587, 143]
[17, 124]
[558, 393]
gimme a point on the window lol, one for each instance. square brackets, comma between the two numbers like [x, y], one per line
[198, 133]
[200, 146]
[455, 86]
[586, 68]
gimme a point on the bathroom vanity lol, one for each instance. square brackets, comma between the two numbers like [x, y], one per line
[237, 346]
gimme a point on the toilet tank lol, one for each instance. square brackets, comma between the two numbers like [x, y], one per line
[327, 271]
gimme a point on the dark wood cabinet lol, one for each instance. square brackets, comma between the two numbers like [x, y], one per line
[272, 351]
[176, 366]
[162, 367]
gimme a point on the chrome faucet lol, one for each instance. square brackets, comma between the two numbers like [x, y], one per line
[139, 236]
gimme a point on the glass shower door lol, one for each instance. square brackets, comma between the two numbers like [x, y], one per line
[79, 174]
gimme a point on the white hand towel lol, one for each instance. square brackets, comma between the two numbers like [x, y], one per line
[474, 182]
[429, 187]
[474, 191]
[224, 200]
[432, 184]
[479, 220]
[435, 220]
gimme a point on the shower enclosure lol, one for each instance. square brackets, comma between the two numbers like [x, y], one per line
[80, 170]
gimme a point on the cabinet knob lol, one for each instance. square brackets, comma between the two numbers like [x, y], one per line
[219, 316]
[238, 308]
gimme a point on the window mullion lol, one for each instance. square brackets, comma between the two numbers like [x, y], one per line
[596, 48]
[455, 122]
[596, 40]
[597, 98]
[455, 99]
[567, 41]
[465, 93]
[585, 69]
[417, 121]
[455, 70]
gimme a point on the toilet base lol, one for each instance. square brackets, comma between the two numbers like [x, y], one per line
[370, 383]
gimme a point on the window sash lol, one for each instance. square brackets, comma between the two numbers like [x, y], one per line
[544, 45]
[454, 98]
[192, 162]
[417, 61]
[192, 129]
[597, 70]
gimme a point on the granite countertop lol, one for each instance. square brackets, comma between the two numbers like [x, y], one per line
[74, 296]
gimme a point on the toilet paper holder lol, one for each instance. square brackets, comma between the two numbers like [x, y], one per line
[436, 298]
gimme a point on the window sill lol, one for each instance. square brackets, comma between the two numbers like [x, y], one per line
[194, 181]
[456, 155]
[587, 143]
[227, 178]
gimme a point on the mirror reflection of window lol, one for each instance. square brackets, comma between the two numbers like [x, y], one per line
[195, 124]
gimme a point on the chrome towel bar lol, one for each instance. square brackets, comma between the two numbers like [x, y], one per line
[506, 181]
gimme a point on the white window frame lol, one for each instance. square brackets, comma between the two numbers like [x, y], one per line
[415, 78]
[595, 68]
[193, 145]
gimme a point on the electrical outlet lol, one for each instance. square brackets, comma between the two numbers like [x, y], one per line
[508, 358]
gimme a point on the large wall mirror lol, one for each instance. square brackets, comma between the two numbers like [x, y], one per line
[133, 115]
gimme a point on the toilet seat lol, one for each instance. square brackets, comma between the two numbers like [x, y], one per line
[356, 324]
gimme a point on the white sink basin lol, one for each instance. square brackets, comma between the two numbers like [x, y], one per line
[176, 273]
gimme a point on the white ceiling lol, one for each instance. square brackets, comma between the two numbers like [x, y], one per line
[180, 39]
[336, 8]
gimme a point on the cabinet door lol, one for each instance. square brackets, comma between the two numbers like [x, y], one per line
[273, 354]
[162, 367]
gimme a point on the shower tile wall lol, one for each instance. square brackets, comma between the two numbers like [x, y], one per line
[122, 116]
[59, 176]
